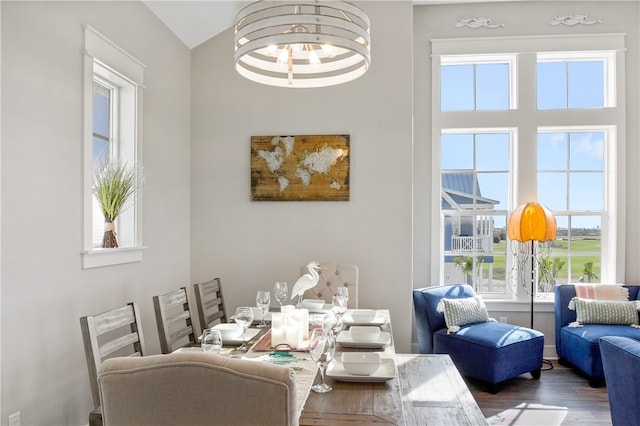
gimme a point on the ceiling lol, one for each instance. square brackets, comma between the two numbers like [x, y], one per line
[195, 22]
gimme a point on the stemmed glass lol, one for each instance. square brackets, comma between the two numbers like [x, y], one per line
[263, 300]
[322, 348]
[281, 292]
[344, 292]
[339, 307]
[211, 340]
[244, 318]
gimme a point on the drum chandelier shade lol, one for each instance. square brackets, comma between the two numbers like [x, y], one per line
[532, 222]
[302, 44]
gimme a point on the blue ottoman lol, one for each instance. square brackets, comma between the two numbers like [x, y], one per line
[488, 351]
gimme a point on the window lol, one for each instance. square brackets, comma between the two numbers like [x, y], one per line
[511, 125]
[113, 105]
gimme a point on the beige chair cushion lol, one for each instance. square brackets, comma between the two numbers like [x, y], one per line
[336, 275]
[196, 388]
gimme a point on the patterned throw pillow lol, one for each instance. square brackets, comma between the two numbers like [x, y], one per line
[463, 311]
[591, 311]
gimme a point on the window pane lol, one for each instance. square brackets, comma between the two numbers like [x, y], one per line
[587, 151]
[586, 191]
[456, 88]
[494, 191]
[586, 84]
[552, 85]
[458, 191]
[100, 150]
[456, 152]
[552, 151]
[492, 86]
[552, 190]
[101, 109]
[492, 151]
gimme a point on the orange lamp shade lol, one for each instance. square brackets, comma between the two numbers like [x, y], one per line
[532, 221]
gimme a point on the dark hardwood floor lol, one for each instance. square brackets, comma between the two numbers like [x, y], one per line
[562, 396]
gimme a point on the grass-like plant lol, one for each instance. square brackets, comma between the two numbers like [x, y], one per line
[114, 186]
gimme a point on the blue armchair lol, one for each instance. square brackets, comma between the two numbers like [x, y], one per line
[488, 351]
[621, 363]
[579, 346]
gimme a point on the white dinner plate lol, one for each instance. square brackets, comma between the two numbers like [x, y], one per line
[379, 319]
[386, 371]
[345, 339]
[249, 334]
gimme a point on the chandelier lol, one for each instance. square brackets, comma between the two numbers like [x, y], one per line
[302, 43]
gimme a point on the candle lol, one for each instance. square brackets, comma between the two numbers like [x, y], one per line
[287, 309]
[302, 317]
[278, 336]
[277, 320]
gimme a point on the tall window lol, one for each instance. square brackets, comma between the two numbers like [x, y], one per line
[523, 126]
[113, 82]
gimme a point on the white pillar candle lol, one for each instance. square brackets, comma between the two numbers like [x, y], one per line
[302, 317]
[277, 320]
[278, 336]
[287, 309]
[294, 334]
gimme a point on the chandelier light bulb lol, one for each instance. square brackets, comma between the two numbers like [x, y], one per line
[283, 57]
[313, 58]
[329, 50]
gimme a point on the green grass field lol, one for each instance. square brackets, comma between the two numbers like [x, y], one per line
[582, 250]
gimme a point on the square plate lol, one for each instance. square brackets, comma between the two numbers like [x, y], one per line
[345, 339]
[386, 371]
[379, 319]
[249, 334]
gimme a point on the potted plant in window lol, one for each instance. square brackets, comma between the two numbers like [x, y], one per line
[114, 186]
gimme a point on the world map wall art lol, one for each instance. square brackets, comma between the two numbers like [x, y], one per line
[300, 168]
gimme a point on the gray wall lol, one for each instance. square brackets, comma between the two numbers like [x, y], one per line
[44, 290]
[253, 244]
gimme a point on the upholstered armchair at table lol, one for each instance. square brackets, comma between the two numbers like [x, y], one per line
[480, 347]
[621, 363]
[333, 276]
[196, 388]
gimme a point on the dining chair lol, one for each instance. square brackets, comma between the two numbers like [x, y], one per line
[115, 333]
[210, 303]
[335, 275]
[196, 388]
[174, 321]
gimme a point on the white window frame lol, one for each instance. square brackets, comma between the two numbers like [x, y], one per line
[102, 59]
[611, 117]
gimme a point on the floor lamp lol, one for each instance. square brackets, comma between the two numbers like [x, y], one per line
[532, 222]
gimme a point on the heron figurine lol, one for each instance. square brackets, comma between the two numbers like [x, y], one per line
[307, 281]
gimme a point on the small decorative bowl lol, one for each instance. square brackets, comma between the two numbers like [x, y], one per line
[314, 304]
[364, 333]
[360, 363]
[229, 331]
[363, 315]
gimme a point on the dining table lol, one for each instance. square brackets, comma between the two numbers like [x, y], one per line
[408, 389]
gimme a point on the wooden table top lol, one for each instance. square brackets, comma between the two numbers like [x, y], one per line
[427, 389]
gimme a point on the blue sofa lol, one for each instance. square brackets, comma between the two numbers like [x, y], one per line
[488, 351]
[579, 346]
[623, 384]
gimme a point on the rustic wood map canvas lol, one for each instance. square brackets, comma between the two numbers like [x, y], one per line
[294, 168]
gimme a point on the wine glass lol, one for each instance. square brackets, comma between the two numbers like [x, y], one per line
[263, 300]
[281, 292]
[339, 307]
[211, 341]
[344, 292]
[244, 318]
[322, 347]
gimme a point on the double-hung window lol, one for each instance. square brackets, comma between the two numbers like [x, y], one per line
[519, 120]
[113, 82]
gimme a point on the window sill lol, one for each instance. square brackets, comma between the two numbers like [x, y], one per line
[506, 305]
[97, 258]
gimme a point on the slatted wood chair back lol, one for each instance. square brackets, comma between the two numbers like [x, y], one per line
[117, 332]
[173, 317]
[210, 303]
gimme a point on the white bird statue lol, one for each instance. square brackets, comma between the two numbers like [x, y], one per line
[307, 281]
